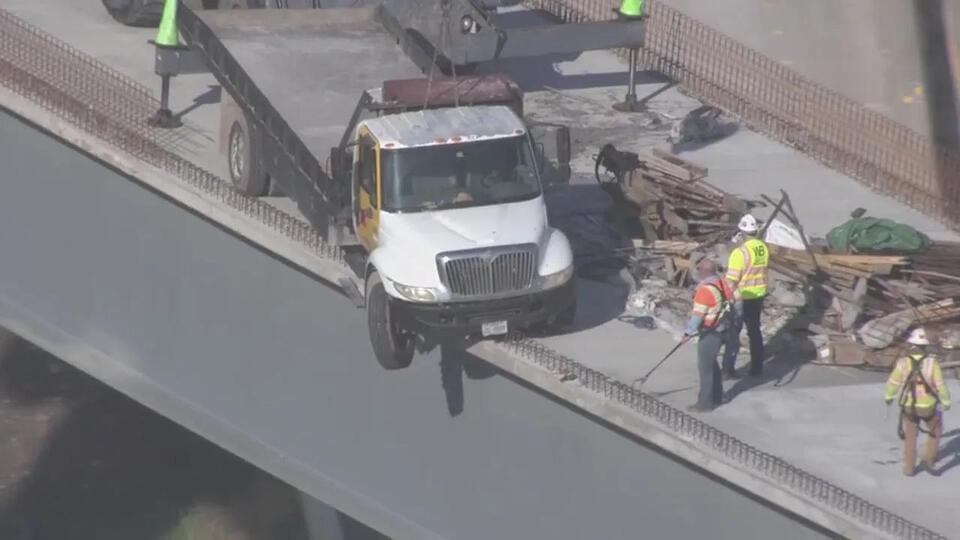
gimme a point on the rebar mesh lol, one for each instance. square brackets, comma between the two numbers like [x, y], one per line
[114, 109]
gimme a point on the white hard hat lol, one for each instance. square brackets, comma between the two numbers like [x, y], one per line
[748, 224]
[918, 337]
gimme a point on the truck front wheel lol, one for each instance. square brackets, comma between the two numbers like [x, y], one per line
[392, 345]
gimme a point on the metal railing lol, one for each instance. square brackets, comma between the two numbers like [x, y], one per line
[767, 96]
[114, 109]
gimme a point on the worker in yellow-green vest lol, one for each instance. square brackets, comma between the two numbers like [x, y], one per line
[747, 276]
[919, 382]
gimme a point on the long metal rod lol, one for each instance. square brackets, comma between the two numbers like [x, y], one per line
[676, 347]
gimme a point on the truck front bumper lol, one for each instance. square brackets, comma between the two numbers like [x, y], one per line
[520, 312]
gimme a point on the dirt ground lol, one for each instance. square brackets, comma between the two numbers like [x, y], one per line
[80, 461]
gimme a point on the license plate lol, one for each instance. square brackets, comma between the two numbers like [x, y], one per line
[494, 328]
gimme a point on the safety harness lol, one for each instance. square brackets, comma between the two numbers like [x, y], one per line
[914, 378]
[724, 307]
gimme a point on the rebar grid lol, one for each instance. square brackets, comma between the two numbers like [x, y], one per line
[114, 109]
[835, 130]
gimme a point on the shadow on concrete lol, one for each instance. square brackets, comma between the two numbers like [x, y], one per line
[106, 468]
[580, 211]
[455, 362]
[950, 451]
[941, 96]
[938, 76]
[539, 72]
[786, 353]
[210, 97]
[599, 302]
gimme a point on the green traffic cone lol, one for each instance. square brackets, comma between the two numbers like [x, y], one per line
[631, 8]
[167, 34]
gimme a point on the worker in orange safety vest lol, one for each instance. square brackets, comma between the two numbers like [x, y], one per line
[709, 320]
[747, 276]
[919, 381]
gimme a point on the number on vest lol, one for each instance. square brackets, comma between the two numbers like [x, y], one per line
[759, 251]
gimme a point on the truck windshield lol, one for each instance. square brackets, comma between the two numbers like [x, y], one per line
[458, 175]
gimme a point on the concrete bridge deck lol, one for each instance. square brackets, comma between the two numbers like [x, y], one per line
[138, 248]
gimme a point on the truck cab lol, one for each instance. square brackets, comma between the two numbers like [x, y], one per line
[448, 205]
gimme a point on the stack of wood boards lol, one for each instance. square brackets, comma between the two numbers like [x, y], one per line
[936, 271]
[671, 197]
[840, 270]
[881, 295]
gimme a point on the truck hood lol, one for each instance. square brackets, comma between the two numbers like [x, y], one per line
[465, 228]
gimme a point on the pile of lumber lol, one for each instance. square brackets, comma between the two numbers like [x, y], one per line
[671, 199]
[839, 269]
[864, 302]
[877, 297]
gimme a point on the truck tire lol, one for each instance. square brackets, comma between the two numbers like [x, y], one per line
[392, 347]
[243, 156]
[135, 12]
[239, 4]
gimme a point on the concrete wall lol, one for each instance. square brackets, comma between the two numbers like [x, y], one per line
[274, 366]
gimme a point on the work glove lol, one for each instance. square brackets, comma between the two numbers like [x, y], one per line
[946, 407]
[738, 309]
[888, 402]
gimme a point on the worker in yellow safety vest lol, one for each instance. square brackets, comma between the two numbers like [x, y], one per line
[747, 276]
[918, 380]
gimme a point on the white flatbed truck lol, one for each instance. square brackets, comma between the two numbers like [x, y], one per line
[433, 186]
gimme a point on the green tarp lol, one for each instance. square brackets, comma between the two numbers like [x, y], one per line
[866, 234]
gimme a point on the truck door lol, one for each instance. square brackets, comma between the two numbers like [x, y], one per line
[366, 200]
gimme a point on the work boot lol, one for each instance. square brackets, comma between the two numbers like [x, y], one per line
[730, 375]
[698, 408]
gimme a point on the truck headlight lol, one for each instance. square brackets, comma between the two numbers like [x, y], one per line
[416, 294]
[556, 279]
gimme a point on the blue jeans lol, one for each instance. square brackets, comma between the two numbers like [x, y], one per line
[752, 309]
[711, 388]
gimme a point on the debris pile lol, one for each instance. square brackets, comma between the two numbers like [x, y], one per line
[661, 196]
[855, 306]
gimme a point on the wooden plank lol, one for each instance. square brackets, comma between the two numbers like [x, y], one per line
[698, 170]
[666, 245]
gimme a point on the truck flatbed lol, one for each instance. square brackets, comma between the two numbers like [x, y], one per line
[312, 64]
[298, 75]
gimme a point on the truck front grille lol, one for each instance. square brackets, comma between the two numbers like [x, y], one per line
[490, 272]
